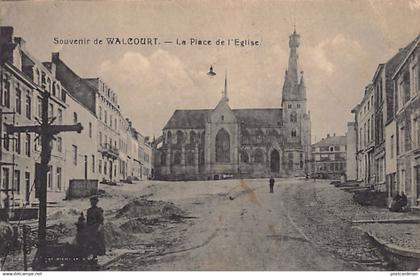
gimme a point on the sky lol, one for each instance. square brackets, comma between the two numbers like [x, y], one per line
[342, 43]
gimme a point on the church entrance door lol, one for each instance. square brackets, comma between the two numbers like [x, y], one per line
[275, 161]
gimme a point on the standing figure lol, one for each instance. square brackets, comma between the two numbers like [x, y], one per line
[94, 225]
[271, 185]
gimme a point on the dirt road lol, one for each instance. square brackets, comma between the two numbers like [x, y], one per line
[238, 225]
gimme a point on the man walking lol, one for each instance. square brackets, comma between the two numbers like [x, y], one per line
[271, 185]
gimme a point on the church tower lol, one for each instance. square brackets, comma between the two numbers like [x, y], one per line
[296, 120]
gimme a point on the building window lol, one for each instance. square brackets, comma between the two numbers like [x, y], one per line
[18, 101]
[28, 144]
[50, 110]
[28, 107]
[93, 163]
[293, 117]
[244, 156]
[75, 120]
[6, 141]
[100, 138]
[222, 146]
[100, 112]
[293, 134]
[289, 106]
[74, 154]
[39, 104]
[90, 130]
[100, 166]
[60, 116]
[16, 182]
[190, 158]
[163, 159]
[27, 186]
[17, 143]
[49, 178]
[258, 156]
[5, 178]
[59, 178]
[298, 106]
[179, 137]
[6, 94]
[59, 144]
[401, 138]
[392, 147]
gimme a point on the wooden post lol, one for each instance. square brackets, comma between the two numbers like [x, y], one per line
[25, 231]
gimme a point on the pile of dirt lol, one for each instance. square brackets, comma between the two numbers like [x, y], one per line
[136, 226]
[59, 231]
[141, 207]
[103, 194]
[115, 236]
[64, 214]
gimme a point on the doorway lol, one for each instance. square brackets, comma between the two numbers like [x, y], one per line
[275, 161]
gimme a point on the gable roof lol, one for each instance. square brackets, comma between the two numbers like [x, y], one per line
[331, 141]
[250, 117]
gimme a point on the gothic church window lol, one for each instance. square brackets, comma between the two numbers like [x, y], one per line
[258, 156]
[244, 157]
[177, 158]
[192, 137]
[222, 146]
[163, 159]
[245, 137]
[179, 137]
[259, 136]
[293, 134]
[190, 158]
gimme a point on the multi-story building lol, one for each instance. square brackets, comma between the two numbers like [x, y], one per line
[328, 157]
[365, 125]
[407, 107]
[92, 154]
[97, 97]
[24, 79]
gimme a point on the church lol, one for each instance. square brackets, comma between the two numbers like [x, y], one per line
[240, 143]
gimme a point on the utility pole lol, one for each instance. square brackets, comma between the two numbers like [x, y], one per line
[46, 132]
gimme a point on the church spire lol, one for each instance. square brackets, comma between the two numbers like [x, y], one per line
[291, 85]
[294, 42]
[225, 95]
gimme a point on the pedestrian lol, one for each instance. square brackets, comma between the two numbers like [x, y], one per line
[271, 185]
[95, 226]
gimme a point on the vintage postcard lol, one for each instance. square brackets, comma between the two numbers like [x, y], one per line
[180, 135]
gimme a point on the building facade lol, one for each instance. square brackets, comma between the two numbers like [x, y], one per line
[365, 125]
[407, 117]
[328, 157]
[93, 154]
[225, 142]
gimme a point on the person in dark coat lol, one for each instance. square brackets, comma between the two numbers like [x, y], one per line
[94, 224]
[396, 205]
[271, 185]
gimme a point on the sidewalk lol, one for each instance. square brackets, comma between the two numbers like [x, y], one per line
[390, 230]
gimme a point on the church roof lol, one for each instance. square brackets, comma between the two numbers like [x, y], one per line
[250, 117]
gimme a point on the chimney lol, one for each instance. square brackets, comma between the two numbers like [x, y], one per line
[6, 34]
[55, 57]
